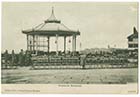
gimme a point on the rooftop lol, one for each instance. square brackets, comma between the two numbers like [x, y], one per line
[134, 35]
[51, 27]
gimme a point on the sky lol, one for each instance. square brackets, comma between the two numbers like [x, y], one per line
[100, 24]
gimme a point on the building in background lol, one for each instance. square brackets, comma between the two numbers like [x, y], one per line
[133, 39]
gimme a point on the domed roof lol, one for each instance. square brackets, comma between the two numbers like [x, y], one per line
[51, 27]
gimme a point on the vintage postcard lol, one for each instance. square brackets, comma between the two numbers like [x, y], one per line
[69, 48]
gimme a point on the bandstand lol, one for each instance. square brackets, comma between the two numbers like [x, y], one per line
[39, 36]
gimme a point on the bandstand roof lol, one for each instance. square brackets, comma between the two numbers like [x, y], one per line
[51, 27]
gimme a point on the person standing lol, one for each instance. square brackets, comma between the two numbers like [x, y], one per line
[6, 59]
[13, 58]
[21, 58]
[28, 58]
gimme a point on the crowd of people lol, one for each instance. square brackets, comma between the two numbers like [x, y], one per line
[27, 58]
[20, 59]
[115, 57]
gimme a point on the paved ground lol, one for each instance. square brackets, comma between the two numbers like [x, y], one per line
[91, 76]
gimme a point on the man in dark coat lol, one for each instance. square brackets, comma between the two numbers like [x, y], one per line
[21, 58]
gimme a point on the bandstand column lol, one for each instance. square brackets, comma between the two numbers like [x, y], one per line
[33, 42]
[64, 44]
[74, 43]
[43, 46]
[36, 45]
[56, 44]
[28, 42]
[48, 44]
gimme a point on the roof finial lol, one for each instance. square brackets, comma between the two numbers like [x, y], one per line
[52, 10]
[52, 18]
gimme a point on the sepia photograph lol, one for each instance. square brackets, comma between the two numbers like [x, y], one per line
[57, 47]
